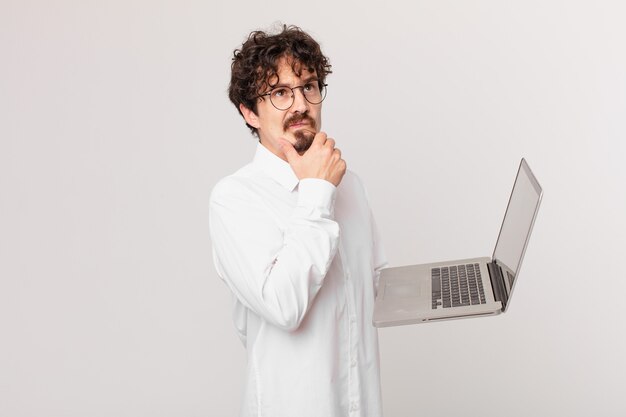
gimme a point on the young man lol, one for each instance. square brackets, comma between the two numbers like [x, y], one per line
[294, 240]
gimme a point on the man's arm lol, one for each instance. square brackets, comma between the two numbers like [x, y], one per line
[380, 259]
[277, 273]
[274, 272]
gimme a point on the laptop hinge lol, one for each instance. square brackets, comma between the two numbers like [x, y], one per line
[497, 283]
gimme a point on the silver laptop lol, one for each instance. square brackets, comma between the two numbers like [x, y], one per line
[469, 287]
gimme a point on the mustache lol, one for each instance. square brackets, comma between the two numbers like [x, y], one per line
[297, 118]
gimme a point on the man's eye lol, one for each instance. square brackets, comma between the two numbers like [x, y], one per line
[309, 87]
[279, 92]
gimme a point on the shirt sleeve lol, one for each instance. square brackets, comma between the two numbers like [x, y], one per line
[380, 259]
[274, 262]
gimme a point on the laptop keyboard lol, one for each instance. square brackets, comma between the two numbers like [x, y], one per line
[457, 286]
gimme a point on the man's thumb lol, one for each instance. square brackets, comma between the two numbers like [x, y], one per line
[288, 149]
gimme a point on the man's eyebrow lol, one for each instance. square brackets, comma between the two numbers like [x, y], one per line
[305, 81]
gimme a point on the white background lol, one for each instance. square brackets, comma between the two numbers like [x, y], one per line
[115, 125]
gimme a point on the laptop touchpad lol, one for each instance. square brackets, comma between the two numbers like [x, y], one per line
[402, 289]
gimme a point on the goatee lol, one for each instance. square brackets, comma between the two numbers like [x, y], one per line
[304, 139]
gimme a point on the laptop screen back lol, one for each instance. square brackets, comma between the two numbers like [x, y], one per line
[517, 224]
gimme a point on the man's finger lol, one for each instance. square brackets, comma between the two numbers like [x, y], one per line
[290, 152]
[319, 139]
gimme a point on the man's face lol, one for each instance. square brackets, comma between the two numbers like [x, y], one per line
[298, 124]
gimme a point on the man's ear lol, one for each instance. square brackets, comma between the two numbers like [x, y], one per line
[250, 117]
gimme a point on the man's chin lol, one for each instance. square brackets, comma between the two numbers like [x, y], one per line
[304, 139]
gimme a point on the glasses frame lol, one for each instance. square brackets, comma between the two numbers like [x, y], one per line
[293, 95]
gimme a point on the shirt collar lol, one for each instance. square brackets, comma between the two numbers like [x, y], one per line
[277, 169]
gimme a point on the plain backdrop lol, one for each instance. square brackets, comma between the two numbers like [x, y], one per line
[115, 125]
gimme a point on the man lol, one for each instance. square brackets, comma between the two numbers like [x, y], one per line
[294, 240]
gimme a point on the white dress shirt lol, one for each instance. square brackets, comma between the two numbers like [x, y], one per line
[302, 259]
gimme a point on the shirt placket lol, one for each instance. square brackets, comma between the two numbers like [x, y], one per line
[354, 399]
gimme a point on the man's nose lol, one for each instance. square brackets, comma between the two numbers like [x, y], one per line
[299, 102]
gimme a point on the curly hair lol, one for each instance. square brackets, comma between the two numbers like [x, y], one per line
[256, 63]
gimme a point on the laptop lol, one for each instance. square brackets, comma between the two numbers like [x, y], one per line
[475, 287]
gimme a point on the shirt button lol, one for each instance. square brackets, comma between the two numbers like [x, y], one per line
[354, 406]
[353, 363]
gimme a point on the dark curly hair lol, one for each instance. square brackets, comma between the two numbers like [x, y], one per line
[256, 62]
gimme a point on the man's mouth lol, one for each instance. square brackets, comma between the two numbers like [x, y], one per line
[299, 121]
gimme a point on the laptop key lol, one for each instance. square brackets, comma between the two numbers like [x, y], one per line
[457, 286]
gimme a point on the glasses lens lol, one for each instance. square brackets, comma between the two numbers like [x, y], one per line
[282, 97]
[314, 92]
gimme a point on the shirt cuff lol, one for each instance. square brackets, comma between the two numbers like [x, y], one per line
[318, 193]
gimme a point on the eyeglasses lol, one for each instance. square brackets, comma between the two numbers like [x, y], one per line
[314, 92]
